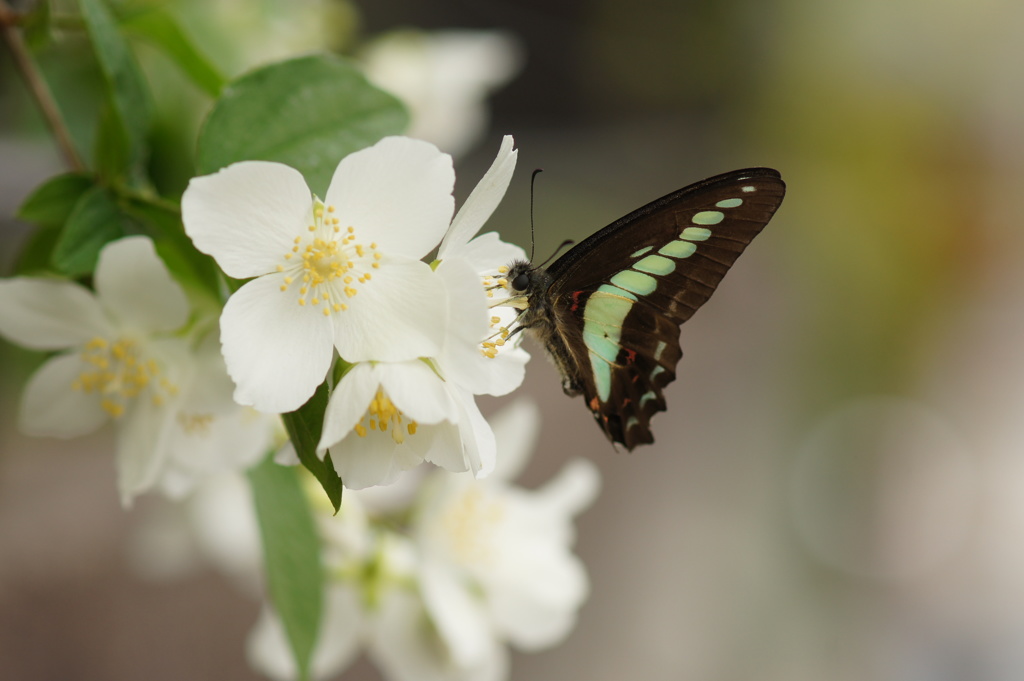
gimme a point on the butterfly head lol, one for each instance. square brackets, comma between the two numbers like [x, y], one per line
[520, 283]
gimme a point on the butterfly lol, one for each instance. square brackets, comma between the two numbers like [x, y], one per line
[608, 311]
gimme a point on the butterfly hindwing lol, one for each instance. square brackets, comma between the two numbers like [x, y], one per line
[621, 379]
[619, 297]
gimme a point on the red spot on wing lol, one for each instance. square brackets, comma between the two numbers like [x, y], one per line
[630, 356]
[576, 300]
[595, 404]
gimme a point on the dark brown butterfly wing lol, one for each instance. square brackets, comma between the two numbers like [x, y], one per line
[619, 297]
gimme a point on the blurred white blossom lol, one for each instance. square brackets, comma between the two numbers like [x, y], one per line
[436, 578]
[444, 79]
[122, 362]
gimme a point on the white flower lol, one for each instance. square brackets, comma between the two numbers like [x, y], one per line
[406, 648]
[434, 581]
[172, 407]
[384, 418]
[212, 433]
[475, 352]
[115, 367]
[444, 79]
[495, 559]
[340, 630]
[345, 273]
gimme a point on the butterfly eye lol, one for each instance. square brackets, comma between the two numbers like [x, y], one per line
[521, 282]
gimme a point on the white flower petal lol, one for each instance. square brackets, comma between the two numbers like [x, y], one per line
[348, 403]
[572, 490]
[406, 648]
[460, 619]
[462, 360]
[487, 252]
[49, 314]
[276, 351]
[516, 428]
[202, 444]
[50, 407]
[478, 442]
[539, 613]
[445, 448]
[481, 203]
[418, 392]
[142, 438]
[135, 287]
[397, 193]
[373, 460]
[223, 517]
[337, 644]
[443, 77]
[399, 315]
[247, 215]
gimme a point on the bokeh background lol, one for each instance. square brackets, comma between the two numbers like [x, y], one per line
[837, 490]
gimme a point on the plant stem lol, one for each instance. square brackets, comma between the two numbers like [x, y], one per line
[37, 86]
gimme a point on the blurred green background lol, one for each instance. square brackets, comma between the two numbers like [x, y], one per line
[837, 490]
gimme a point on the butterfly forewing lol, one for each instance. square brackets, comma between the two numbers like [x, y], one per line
[619, 297]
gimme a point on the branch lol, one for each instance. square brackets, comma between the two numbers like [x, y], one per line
[37, 86]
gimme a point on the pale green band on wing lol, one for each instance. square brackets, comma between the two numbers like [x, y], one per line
[643, 250]
[660, 349]
[607, 309]
[657, 370]
[602, 371]
[708, 217]
[632, 421]
[678, 249]
[655, 264]
[614, 291]
[637, 282]
[600, 343]
[696, 234]
[647, 397]
[603, 317]
[729, 203]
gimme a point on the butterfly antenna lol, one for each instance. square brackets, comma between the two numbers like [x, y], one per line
[533, 181]
[567, 242]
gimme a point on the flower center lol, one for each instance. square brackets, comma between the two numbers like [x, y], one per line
[468, 524]
[489, 347]
[499, 332]
[329, 265]
[195, 423]
[382, 415]
[118, 373]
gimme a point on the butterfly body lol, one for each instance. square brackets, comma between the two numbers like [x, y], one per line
[609, 311]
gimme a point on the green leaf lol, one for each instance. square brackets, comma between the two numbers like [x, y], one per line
[36, 24]
[304, 426]
[52, 202]
[159, 27]
[112, 153]
[36, 253]
[308, 112]
[124, 80]
[291, 550]
[95, 221]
